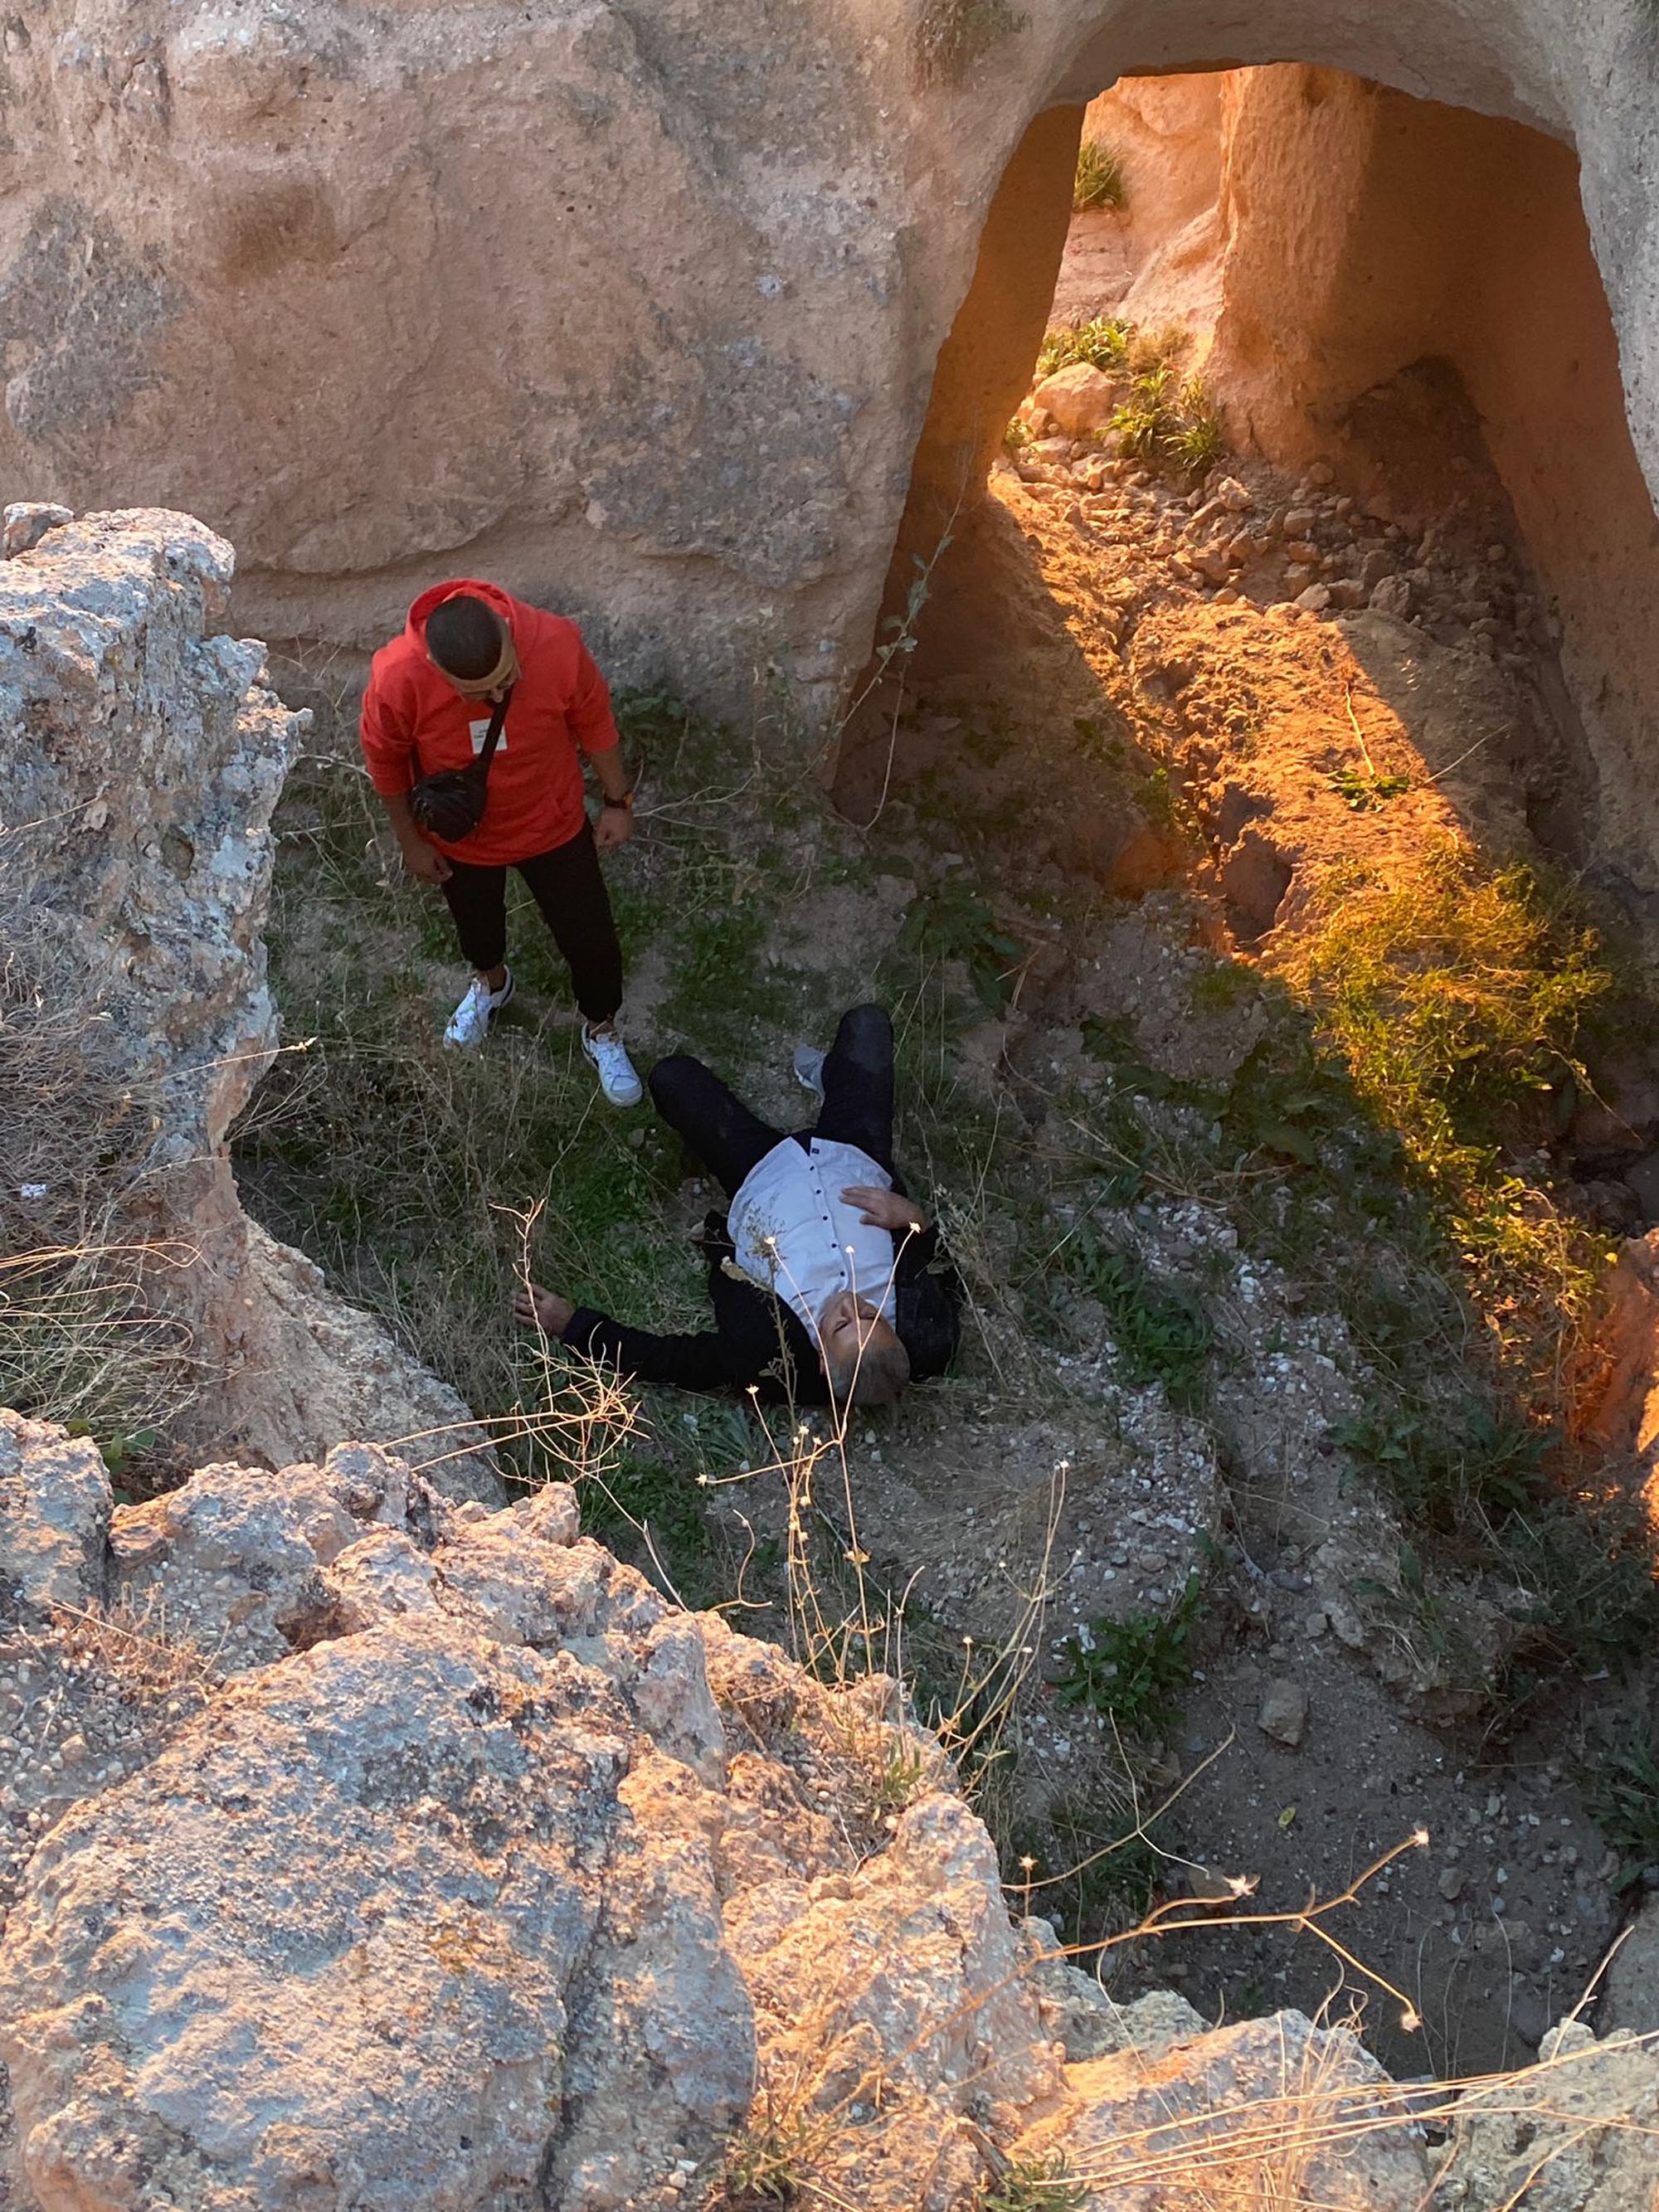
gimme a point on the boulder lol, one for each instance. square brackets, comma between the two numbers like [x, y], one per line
[1573, 2134]
[141, 756]
[1079, 397]
[364, 1853]
[54, 1520]
[1263, 2112]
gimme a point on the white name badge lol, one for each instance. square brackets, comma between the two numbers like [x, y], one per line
[480, 733]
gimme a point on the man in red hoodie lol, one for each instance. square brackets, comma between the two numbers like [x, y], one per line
[431, 694]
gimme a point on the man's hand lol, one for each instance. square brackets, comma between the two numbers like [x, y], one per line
[424, 861]
[884, 1209]
[535, 1308]
[614, 827]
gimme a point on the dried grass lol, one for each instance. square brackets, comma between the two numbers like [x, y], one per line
[81, 1339]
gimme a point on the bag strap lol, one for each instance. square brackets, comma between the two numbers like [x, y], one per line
[493, 736]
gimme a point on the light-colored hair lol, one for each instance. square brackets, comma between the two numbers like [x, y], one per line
[873, 1376]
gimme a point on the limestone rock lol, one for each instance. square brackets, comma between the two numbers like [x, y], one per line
[140, 759]
[1632, 1983]
[518, 1887]
[1575, 2134]
[1159, 2133]
[54, 1519]
[1079, 397]
[461, 1904]
[1284, 1714]
[25, 523]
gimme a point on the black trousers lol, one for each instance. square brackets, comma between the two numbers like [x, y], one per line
[569, 886]
[857, 1109]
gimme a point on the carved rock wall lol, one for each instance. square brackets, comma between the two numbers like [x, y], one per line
[640, 306]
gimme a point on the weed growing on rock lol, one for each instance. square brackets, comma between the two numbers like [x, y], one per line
[1039, 2185]
[1146, 422]
[1102, 342]
[1621, 1788]
[1136, 1669]
[1099, 181]
[1159, 1330]
[1167, 421]
[952, 921]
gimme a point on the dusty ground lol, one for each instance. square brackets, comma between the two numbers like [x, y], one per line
[1274, 652]
[1119, 767]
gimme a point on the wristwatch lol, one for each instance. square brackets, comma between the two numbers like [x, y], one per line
[626, 802]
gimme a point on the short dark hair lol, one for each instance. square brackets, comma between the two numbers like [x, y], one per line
[464, 635]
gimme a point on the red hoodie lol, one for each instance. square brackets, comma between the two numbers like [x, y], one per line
[414, 723]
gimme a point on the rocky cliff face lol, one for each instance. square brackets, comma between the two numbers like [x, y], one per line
[140, 759]
[636, 306]
[368, 1851]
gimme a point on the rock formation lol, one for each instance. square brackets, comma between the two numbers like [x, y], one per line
[638, 306]
[140, 759]
[369, 1850]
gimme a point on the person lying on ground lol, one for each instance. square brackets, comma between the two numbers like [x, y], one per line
[828, 1283]
[467, 648]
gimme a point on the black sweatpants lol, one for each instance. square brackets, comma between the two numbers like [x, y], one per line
[730, 1140]
[569, 886]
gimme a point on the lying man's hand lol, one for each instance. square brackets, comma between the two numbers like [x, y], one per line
[546, 1311]
[884, 1209]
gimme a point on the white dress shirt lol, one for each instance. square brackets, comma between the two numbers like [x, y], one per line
[796, 1236]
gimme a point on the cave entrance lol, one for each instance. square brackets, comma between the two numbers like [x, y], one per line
[1399, 293]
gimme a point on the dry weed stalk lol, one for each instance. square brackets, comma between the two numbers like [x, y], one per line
[153, 1663]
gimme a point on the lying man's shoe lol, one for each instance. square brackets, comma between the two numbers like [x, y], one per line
[617, 1079]
[809, 1068]
[469, 1026]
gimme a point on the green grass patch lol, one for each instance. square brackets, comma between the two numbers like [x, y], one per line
[1036, 2184]
[1135, 1671]
[1457, 1002]
[1102, 342]
[1159, 1330]
[1620, 1781]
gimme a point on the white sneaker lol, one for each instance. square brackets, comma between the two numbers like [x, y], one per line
[809, 1069]
[620, 1085]
[469, 1026]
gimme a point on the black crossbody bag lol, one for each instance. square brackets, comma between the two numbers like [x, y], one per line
[450, 804]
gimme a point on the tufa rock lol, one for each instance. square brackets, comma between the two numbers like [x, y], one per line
[1079, 397]
[141, 756]
[1284, 1714]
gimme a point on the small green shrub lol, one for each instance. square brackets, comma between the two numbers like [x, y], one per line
[1168, 424]
[1442, 1468]
[1135, 1670]
[1099, 182]
[1160, 1331]
[1621, 1789]
[951, 921]
[1197, 441]
[1144, 423]
[1101, 342]
[1362, 793]
[1039, 2185]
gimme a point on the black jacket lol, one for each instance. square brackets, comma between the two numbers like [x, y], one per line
[759, 1339]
